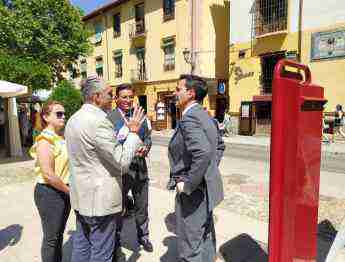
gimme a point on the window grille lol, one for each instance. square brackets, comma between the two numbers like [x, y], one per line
[270, 16]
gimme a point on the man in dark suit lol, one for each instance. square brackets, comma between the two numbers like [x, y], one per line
[136, 179]
[193, 163]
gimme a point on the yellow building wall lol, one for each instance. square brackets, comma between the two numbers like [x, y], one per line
[156, 29]
[213, 45]
[329, 73]
[213, 55]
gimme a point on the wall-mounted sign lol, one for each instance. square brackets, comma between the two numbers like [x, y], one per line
[160, 111]
[325, 45]
[245, 111]
[221, 88]
[239, 74]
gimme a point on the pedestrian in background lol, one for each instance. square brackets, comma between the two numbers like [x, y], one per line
[338, 122]
[52, 175]
[136, 179]
[193, 166]
[220, 143]
[97, 162]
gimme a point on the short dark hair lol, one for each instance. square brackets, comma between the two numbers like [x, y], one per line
[197, 83]
[124, 87]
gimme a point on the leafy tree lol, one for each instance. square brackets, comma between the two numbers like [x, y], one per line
[24, 70]
[69, 96]
[51, 31]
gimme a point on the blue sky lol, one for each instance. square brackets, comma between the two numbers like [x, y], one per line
[89, 5]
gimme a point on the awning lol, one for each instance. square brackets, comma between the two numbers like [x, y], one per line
[8, 89]
[262, 98]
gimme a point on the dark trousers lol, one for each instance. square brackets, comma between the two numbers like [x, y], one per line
[94, 239]
[140, 192]
[54, 208]
[195, 228]
[2, 134]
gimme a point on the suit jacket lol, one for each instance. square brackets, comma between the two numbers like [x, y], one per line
[97, 162]
[193, 155]
[138, 167]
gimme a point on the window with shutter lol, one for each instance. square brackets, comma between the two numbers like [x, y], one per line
[168, 46]
[168, 9]
[99, 66]
[98, 33]
[118, 63]
[117, 25]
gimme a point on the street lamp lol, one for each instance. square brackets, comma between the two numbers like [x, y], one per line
[189, 58]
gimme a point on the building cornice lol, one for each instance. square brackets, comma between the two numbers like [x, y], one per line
[103, 9]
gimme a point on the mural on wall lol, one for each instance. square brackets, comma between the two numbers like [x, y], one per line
[326, 45]
[239, 74]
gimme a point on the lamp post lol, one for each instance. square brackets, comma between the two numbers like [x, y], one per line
[189, 58]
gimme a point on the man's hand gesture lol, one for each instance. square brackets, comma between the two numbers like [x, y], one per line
[135, 122]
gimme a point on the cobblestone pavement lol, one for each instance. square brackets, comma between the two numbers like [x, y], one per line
[246, 185]
[16, 172]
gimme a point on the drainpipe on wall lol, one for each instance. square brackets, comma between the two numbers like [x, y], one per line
[300, 19]
[192, 44]
[106, 47]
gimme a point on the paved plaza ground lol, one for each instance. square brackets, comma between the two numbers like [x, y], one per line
[244, 210]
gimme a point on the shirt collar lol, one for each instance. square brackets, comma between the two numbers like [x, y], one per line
[189, 107]
[94, 108]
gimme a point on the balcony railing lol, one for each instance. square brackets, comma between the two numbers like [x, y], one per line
[137, 29]
[139, 75]
[271, 16]
[169, 67]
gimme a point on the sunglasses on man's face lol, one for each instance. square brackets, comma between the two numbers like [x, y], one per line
[60, 114]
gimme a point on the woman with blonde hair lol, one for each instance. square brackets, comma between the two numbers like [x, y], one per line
[51, 191]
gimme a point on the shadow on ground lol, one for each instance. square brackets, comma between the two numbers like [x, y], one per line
[10, 236]
[128, 241]
[171, 241]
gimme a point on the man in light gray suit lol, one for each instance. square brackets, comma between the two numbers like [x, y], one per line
[193, 165]
[97, 162]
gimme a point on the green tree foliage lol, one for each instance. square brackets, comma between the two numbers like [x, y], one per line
[49, 31]
[24, 70]
[69, 96]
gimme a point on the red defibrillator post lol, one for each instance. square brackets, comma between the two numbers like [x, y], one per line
[297, 107]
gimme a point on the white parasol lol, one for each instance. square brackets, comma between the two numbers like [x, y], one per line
[8, 89]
